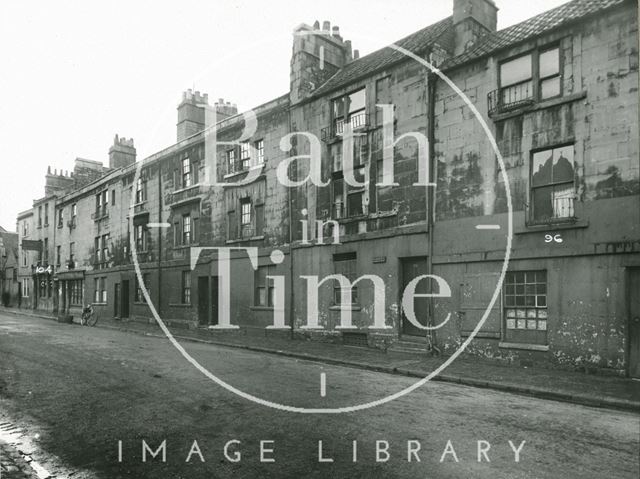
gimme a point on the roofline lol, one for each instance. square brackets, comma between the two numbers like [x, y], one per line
[25, 214]
[571, 22]
[172, 149]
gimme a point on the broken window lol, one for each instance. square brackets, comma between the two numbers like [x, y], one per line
[553, 184]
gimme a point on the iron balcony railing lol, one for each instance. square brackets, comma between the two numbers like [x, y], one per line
[357, 121]
[511, 97]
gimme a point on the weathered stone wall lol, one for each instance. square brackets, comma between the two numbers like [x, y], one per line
[598, 114]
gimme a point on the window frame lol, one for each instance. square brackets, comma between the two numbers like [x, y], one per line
[533, 291]
[186, 287]
[531, 217]
[262, 283]
[245, 155]
[535, 78]
[245, 216]
[186, 233]
[186, 168]
[339, 121]
[350, 260]
[231, 161]
[259, 147]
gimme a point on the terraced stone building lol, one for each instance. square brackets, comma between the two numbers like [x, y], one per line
[559, 92]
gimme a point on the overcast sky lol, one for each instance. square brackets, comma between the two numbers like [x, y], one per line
[75, 73]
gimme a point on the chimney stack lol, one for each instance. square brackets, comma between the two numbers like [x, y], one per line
[191, 113]
[310, 43]
[122, 153]
[472, 19]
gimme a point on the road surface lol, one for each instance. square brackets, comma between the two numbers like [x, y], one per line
[92, 398]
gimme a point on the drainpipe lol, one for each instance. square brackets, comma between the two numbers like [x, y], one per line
[430, 196]
[291, 282]
[159, 237]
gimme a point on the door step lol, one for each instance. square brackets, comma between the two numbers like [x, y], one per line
[414, 346]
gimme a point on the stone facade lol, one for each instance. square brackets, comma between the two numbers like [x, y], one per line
[564, 297]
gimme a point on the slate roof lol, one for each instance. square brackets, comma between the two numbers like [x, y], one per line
[442, 33]
[532, 27]
[386, 56]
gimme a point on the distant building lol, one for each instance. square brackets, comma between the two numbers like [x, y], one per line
[9, 292]
[559, 92]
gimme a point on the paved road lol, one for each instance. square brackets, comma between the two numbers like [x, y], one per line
[84, 389]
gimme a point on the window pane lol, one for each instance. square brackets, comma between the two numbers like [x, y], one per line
[550, 87]
[542, 168]
[563, 164]
[354, 207]
[543, 202]
[515, 71]
[549, 63]
[357, 101]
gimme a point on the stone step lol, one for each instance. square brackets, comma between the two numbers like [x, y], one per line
[409, 346]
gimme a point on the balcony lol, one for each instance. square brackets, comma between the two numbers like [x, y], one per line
[510, 98]
[357, 121]
[186, 195]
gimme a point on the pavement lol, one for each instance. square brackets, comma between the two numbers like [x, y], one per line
[575, 387]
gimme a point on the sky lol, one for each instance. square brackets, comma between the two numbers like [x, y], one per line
[75, 73]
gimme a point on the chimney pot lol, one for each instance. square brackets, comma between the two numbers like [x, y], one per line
[356, 54]
[335, 31]
[326, 26]
[316, 25]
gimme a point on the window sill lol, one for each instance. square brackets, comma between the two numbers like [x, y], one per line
[524, 346]
[242, 172]
[538, 105]
[179, 305]
[186, 246]
[371, 216]
[244, 240]
[99, 304]
[349, 307]
[264, 308]
[140, 303]
[551, 226]
[192, 187]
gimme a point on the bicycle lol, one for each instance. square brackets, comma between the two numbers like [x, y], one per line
[88, 317]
